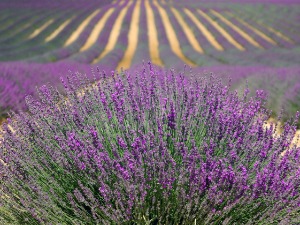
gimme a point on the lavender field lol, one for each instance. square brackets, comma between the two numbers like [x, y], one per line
[123, 34]
[149, 112]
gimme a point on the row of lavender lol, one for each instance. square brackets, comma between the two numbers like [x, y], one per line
[282, 85]
[19, 79]
[17, 42]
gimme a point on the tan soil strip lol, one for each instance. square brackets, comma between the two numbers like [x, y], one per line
[204, 30]
[258, 32]
[58, 30]
[20, 29]
[97, 30]
[225, 34]
[272, 30]
[237, 29]
[10, 21]
[39, 30]
[276, 32]
[152, 36]
[171, 35]
[114, 34]
[133, 36]
[122, 2]
[26, 26]
[188, 31]
[80, 28]
[279, 132]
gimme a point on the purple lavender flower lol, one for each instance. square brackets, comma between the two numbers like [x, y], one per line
[175, 149]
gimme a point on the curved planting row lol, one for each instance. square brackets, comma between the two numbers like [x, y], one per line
[280, 85]
[17, 18]
[69, 41]
[133, 38]
[18, 30]
[273, 35]
[278, 18]
[106, 36]
[167, 56]
[35, 42]
[28, 36]
[189, 42]
[112, 57]
[35, 34]
[19, 79]
[143, 49]
[207, 35]
[10, 19]
[15, 34]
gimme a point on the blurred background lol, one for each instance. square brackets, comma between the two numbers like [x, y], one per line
[257, 40]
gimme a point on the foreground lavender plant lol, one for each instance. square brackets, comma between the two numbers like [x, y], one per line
[147, 147]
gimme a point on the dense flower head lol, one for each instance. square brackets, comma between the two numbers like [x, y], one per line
[148, 147]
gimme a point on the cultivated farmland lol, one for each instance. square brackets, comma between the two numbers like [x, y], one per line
[203, 34]
[121, 34]
[149, 112]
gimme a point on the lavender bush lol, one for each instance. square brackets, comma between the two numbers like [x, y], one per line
[147, 147]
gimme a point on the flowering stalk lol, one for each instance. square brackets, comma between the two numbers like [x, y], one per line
[148, 147]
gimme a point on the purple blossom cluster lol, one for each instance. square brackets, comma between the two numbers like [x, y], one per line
[149, 146]
[279, 84]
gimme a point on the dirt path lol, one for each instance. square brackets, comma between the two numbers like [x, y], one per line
[152, 36]
[80, 28]
[97, 30]
[258, 32]
[204, 30]
[37, 31]
[188, 31]
[171, 35]
[276, 32]
[114, 34]
[279, 132]
[223, 32]
[58, 30]
[133, 37]
[237, 29]
[272, 30]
